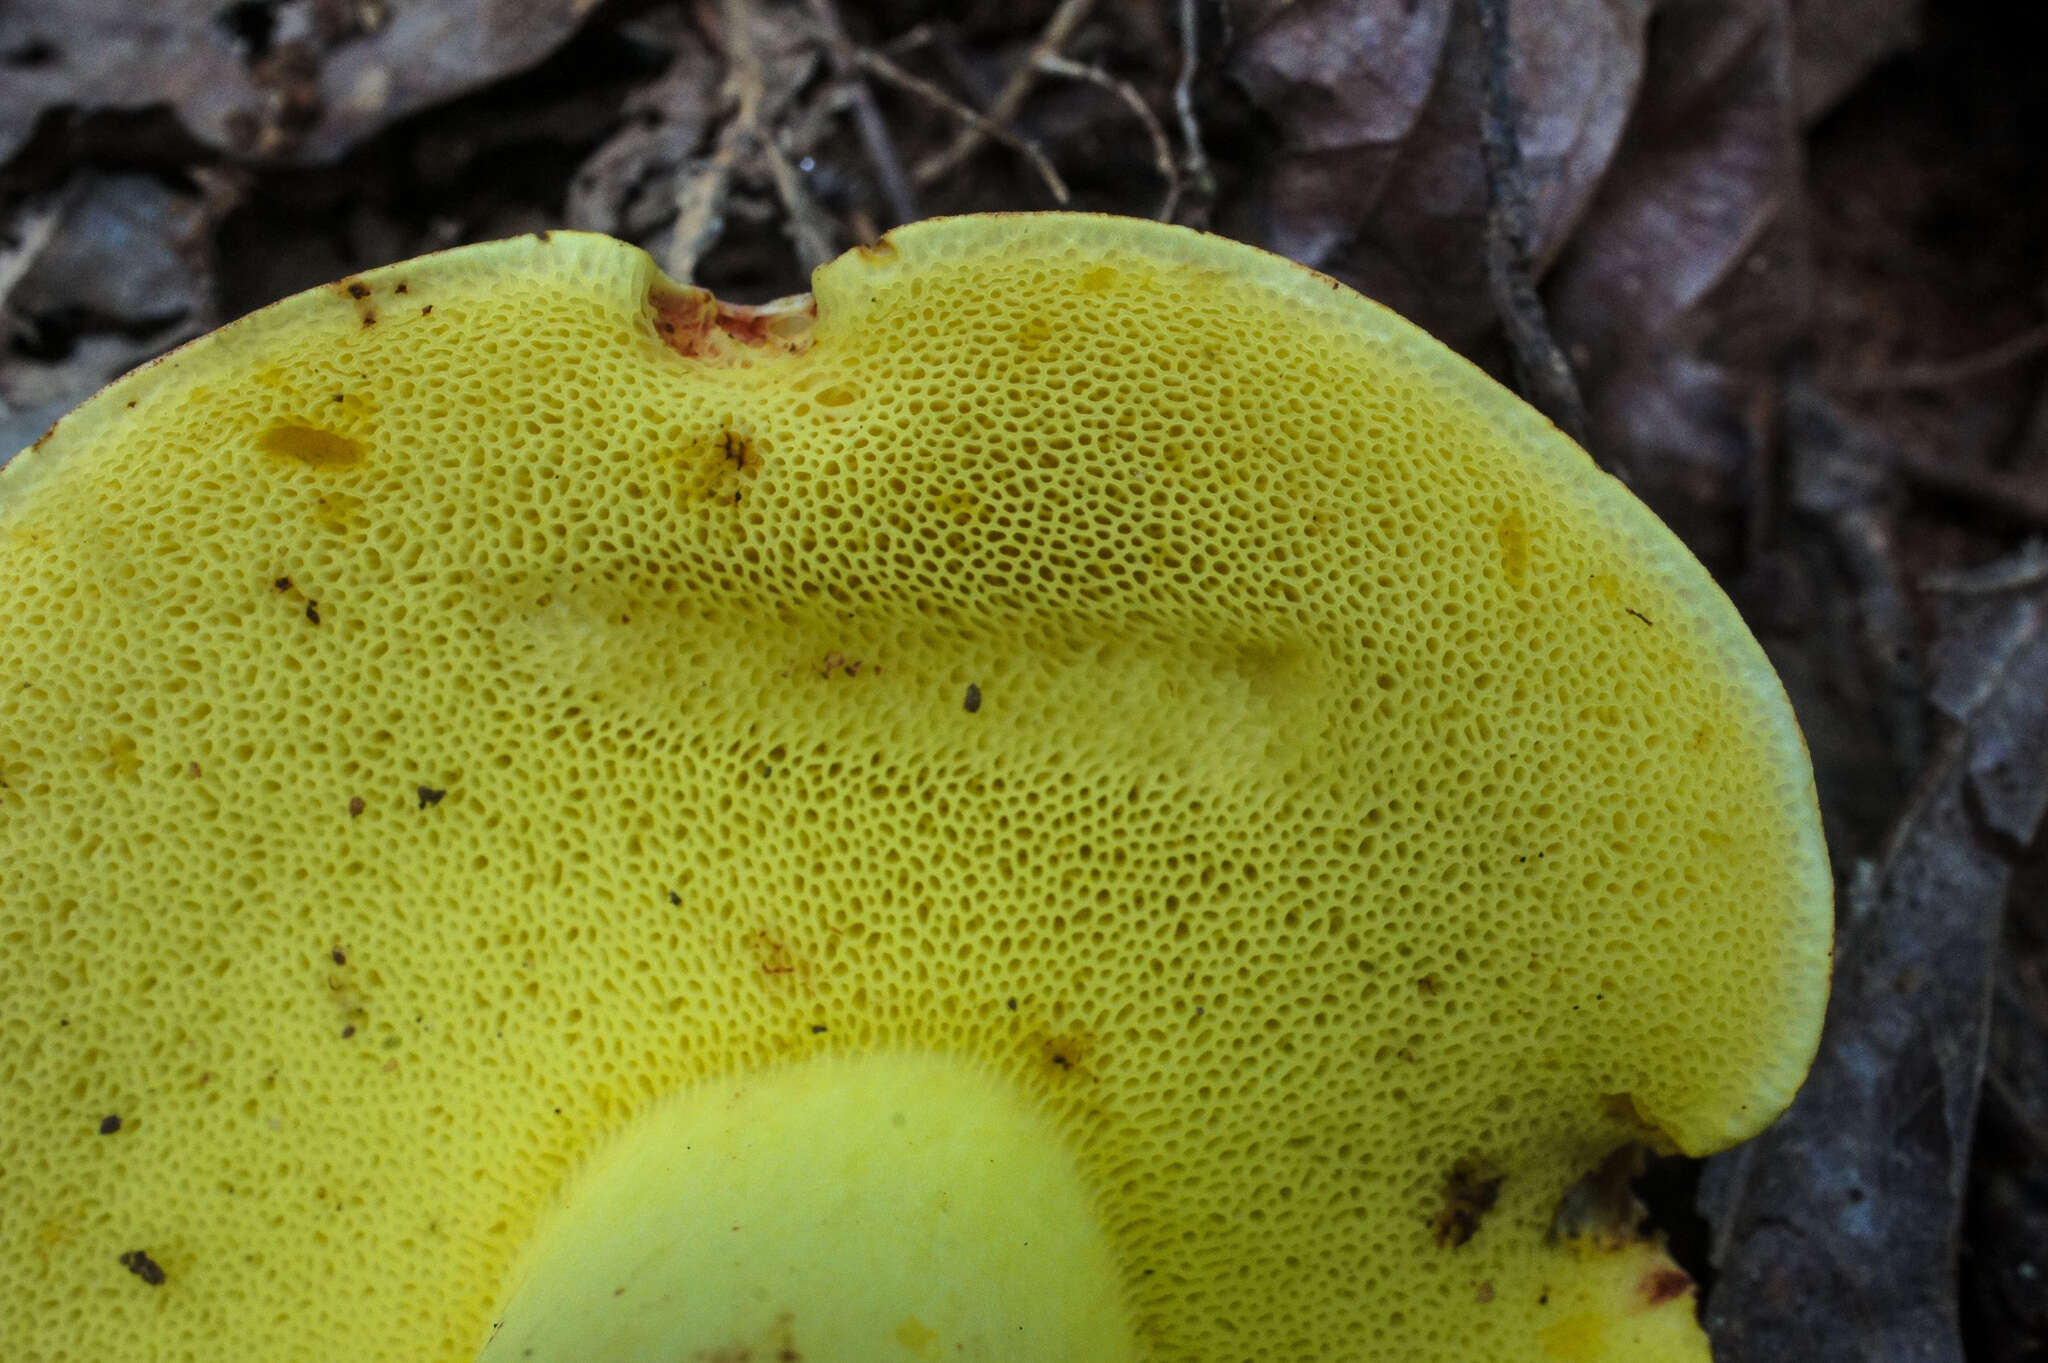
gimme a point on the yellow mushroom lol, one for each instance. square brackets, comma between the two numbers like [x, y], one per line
[1092, 795]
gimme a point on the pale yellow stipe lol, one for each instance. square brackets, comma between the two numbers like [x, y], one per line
[448, 715]
[874, 1210]
[1619, 1304]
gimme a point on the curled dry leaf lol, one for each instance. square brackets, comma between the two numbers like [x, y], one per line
[299, 81]
[1380, 179]
[1662, 168]
[1687, 283]
[1708, 170]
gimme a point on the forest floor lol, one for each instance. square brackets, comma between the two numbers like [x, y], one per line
[1778, 263]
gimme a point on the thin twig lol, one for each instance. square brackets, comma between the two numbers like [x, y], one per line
[700, 200]
[2027, 568]
[700, 211]
[867, 118]
[2007, 498]
[701, 196]
[945, 49]
[809, 127]
[883, 69]
[1767, 489]
[36, 226]
[1057, 30]
[1945, 373]
[1162, 150]
[1184, 103]
[810, 231]
[910, 39]
[1541, 369]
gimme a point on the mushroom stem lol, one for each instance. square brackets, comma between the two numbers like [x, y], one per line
[880, 1208]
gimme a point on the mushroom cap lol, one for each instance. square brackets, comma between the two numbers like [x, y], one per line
[449, 716]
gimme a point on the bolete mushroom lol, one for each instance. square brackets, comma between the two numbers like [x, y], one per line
[1091, 795]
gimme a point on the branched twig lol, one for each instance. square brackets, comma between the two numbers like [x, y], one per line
[1184, 104]
[1058, 29]
[1541, 369]
[883, 69]
[700, 212]
[701, 195]
[867, 119]
[1162, 150]
[700, 199]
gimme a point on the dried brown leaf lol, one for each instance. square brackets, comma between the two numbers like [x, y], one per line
[1662, 167]
[299, 81]
[1708, 172]
[1687, 283]
[126, 274]
[1837, 1230]
[1380, 179]
[1838, 42]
